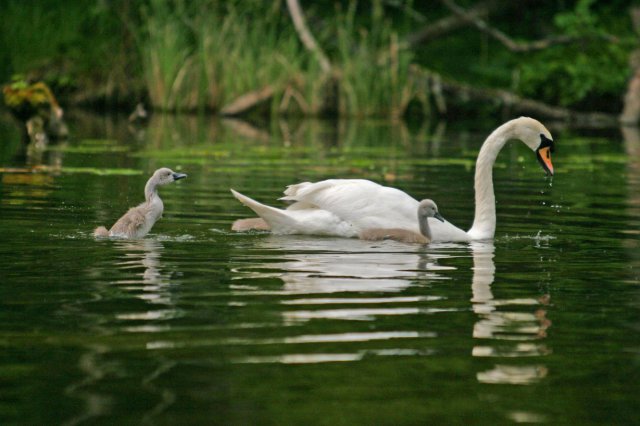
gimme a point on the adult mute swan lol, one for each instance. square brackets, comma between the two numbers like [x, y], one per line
[426, 209]
[345, 207]
[138, 221]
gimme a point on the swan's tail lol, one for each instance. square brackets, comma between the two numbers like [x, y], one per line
[101, 231]
[276, 218]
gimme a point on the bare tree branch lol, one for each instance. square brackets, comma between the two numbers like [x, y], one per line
[406, 8]
[448, 24]
[511, 102]
[247, 101]
[305, 35]
[507, 41]
[519, 105]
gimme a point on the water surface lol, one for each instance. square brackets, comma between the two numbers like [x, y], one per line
[198, 325]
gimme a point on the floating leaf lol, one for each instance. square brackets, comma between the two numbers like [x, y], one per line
[91, 170]
[101, 172]
[91, 148]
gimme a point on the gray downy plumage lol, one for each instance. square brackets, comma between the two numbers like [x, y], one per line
[139, 220]
[426, 209]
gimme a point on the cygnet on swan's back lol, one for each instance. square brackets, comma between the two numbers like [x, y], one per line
[426, 209]
[138, 221]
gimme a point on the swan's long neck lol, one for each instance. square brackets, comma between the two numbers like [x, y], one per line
[150, 190]
[484, 222]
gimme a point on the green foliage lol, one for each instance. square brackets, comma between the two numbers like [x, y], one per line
[38, 32]
[203, 55]
[166, 55]
[374, 71]
[241, 50]
[208, 57]
[579, 72]
[26, 100]
[66, 44]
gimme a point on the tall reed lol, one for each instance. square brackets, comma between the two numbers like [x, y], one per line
[208, 55]
[374, 70]
[167, 55]
[242, 51]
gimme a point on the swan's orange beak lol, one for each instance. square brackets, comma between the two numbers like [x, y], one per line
[544, 158]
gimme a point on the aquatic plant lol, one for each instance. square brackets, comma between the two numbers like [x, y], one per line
[207, 59]
[166, 56]
[212, 54]
[374, 69]
[243, 51]
[212, 58]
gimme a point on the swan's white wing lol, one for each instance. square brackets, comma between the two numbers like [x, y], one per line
[363, 203]
[366, 204]
[344, 207]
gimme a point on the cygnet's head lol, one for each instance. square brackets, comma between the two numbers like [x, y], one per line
[428, 208]
[165, 175]
[536, 137]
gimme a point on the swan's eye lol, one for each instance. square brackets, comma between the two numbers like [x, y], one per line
[546, 142]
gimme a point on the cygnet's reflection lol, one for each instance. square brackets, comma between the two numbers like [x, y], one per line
[145, 253]
[505, 333]
[139, 276]
[144, 279]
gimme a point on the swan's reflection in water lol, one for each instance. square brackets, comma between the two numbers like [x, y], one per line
[504, 332]
[309, 265]
[339, 279]
[311, 270]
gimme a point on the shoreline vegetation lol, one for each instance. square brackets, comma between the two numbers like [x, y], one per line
[381, 59]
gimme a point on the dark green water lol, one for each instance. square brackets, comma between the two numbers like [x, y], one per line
[197, 325]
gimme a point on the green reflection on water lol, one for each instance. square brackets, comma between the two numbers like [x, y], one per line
[196, 324]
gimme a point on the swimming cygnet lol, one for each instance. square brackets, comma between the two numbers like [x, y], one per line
[426, 209]
[138, 221]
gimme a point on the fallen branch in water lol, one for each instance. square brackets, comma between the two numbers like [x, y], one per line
[247, 101]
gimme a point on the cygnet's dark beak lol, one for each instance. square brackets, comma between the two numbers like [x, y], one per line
[439, 217]
[178, 176]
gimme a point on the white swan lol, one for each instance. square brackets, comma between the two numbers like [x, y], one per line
[138, 221]
[426, 209]
[345, 207]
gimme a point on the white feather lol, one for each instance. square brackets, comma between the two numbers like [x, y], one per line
[345, 207]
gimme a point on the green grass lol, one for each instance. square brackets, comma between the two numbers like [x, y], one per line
[206, 60]
[181, 55]
[374, 71]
